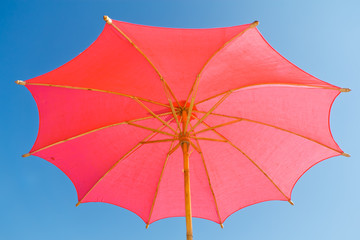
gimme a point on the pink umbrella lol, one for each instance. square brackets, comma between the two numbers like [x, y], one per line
[142, 109]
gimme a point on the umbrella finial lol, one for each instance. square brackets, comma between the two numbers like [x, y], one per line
[344, 89]
[26, 154]
[107, 19]
[291, 202]
[345, 154]
[19, 82]
[147, 226]
[254, 24]
[221, 225]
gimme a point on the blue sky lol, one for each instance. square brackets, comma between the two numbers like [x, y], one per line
[38, 200]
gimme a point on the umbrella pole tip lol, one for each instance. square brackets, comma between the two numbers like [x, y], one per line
[19, 82]
[147, 226]
[291, 202]
[107, 19]
[77, 204]
[254, 24]
[26, 155]
[345, 154]
[221, 225]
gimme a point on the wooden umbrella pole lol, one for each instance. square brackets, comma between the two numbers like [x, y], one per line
[185, 142]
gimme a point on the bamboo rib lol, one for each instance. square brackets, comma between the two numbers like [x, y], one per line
[257, 166]
[152, 129]
[192, 89]
[170, 91]
[160, 140]
[211, 110]
[143, 54]
[175, 148]
[98, 90]
[158, 185]
[198, 149]
[207, 139]
[191, 103]
[194, 146]
[170, 102]
[269, 84]
[152, 113]
[217, 126]
[132, 150]
[282, 129]
[252, 25]
[94, 130]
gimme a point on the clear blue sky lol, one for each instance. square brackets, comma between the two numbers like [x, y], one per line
[38, 201]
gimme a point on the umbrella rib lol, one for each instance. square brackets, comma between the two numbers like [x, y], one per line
[208, 139]
[220, 125]
[171, 104]
[160, 140]
[252, 25]
[211, 110]
[282, 129]
[152, 113]
[132, 150]
[198, 149]
[146, 57]
[151, 129]
[257, 166]
[191, 103]
[171, 150]
[96, 90]
[276, 84]
[94, 130]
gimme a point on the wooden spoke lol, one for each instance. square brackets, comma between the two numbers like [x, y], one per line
[171, 150]
[194, 146]
[257, 166]
[166, 89]
[97, 90]
[94, 130]
[270, 84]
[211, 110]
[198, 149]
[208, 139]
[217, 126]
[196, 83]
[146, 57]
[152, 113]
[252, 25]
[174, 148]
[131, 151]
[160, 140]
[152, 129]
[273, 126]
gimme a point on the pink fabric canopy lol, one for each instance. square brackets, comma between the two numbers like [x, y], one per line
[258, 122]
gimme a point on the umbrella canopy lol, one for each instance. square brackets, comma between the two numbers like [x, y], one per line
[123, 117]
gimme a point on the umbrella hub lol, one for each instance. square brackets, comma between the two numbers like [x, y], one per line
[184, 138]
[185, 107]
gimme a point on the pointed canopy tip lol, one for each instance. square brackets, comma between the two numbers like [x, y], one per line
[254, 24]
[19, 82]
[107, 19]
[26, 155]
[345, 154]
[345, 89]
